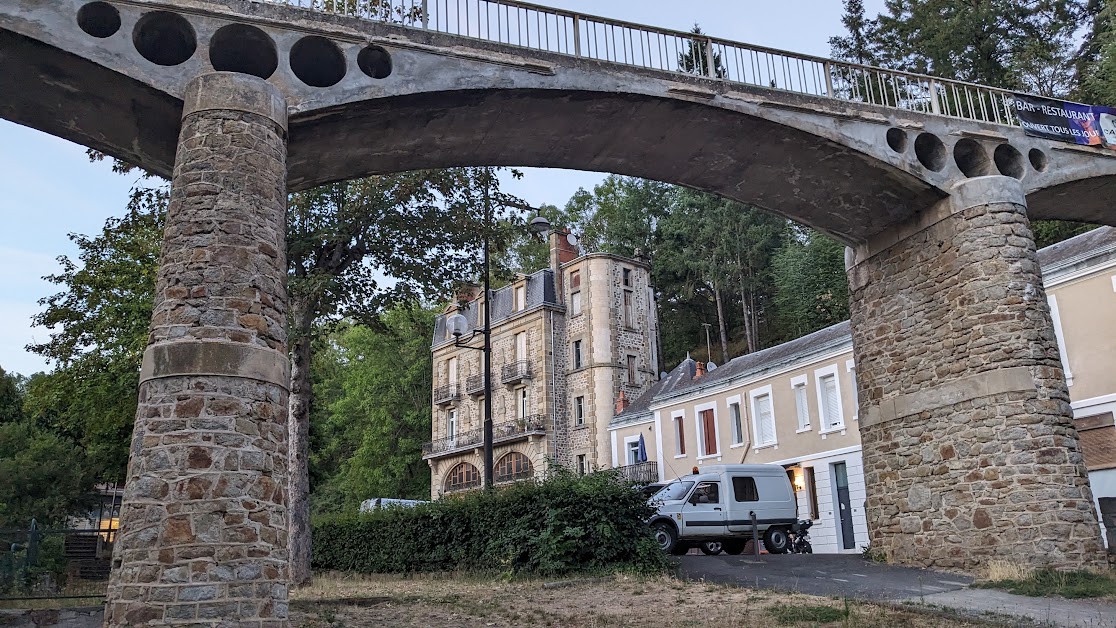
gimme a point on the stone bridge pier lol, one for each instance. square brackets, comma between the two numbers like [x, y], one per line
[203, 535]
[969, 449]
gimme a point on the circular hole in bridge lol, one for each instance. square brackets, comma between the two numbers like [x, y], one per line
[99, 19]
[244, 49]
[317, 61]
[971, 158]
[1038, 159]
[165, 38]
[897, 139]
[375, 62]
[930, 150]
[1009, 161]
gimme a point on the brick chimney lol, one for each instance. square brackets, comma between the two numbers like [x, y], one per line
[621, 403]
[699, 369]
[561, 252]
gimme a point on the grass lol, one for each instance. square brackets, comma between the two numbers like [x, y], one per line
[809, 613]
[1023, 580]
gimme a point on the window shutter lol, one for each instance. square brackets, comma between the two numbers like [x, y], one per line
[766, 421]
[802, 407]
[832, 401]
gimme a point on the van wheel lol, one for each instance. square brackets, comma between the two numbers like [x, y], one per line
[666, 536]
[711, 548]
[734, 548]
[776, 541]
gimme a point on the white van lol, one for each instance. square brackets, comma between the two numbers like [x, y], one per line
[369, 505]
[717, 505]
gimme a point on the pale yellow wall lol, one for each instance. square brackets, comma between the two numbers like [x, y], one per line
[647, 429]
[1087, 309]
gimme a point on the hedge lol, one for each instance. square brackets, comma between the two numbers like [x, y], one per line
[564, 524]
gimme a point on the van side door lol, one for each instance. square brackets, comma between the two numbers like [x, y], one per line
[704, 514]
[744, 498]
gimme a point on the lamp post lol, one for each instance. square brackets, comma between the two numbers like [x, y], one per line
[457, 325]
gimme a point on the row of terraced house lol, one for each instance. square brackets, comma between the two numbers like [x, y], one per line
[574, 383]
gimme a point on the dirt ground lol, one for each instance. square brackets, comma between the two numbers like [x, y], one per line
[445, 601]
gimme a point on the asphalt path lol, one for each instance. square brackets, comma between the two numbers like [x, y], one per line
[840, 575]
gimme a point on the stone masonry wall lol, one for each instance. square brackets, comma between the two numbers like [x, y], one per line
[969, 449]
[203, 534]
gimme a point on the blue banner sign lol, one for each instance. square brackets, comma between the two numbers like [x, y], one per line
[1067, 121]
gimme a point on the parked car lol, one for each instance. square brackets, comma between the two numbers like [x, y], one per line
[716, 505]
[649, 490]
[369, 505]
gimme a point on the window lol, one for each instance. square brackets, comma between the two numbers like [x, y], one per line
[575, 303]
[737, 424]
[582, 464]
[633, 452]
[632, 378]
[708, 432]
[513, 466]
[801, 405]
[575, 279]
[851, 368]
[708, 493]
[579, 410]
[520, 298]
[811, 492]
[577, 354]
[764, 417]
[521, 346]
[744, 489]
[680, 435]
[521, 396]
[451, 424]
[627, 275]
[829, 399]
[463, 477]
[451, 371]
[628, 321]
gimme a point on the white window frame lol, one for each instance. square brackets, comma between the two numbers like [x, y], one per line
[521, 403]
[754, 395]
[800, 383]
[1056, 318]
[850, 368]
[520, 298]
[679, 427]
[575, 302]
[521, 347]
[451, 425]
[628, 442]
[738, 438]
[700, 430]
[579, 410]
[824, 427]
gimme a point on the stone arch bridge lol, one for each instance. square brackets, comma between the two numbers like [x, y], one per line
[969, 448]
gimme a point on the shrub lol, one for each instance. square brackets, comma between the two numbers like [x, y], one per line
[564, 524]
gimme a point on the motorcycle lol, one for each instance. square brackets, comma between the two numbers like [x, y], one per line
[800, 543]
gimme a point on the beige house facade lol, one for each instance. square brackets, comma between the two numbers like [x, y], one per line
[567, 343]
[796, 404]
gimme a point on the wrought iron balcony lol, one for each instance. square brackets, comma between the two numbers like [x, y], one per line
[504, 432]
[449, 393]
[474, 385]
[515, 372]
[641, 472]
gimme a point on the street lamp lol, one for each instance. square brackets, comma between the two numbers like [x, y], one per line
[457, 325]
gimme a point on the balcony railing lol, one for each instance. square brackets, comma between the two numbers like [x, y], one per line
[501, 433]
[524, 25]
[641, 472]
[474, 385]
[447, 394]
[515, 372]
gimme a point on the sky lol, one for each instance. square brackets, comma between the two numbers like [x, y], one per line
[50, 188]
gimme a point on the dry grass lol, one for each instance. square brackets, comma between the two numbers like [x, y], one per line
[437, 601]
[1006, 570]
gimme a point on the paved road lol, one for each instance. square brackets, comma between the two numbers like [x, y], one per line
[822, 574]
[853, 577]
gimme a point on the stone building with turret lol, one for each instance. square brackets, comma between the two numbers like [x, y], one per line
[570, 344]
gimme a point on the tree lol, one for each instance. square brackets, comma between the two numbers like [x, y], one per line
[357, 247]
[41, 476]
[369, 443]
[1096, 59]
[859, 45]
[695, 58]
[11, 397]
[811, 289]
[99, 324]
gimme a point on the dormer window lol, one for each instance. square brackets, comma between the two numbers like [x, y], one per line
[520, 298]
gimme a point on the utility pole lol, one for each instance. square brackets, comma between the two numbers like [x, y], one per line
[708, 349]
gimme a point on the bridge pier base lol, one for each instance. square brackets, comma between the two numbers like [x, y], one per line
[969, 448]
[203, 535]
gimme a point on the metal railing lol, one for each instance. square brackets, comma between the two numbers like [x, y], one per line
[474, 385]
[39, 563]
[526, 25]
[501, 432]
[447, 393]
[515, 372]
[640, 472]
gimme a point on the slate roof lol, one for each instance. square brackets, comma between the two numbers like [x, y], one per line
[1077, 249]
[540, 291]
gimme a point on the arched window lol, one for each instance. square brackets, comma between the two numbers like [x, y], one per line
[462, 478]
[511, 467]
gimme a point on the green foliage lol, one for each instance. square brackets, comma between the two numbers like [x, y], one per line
[1068, 584]
[564, 524]
[812, 291]
[11, 397]
[695, 58]
[809, 613]
[1096, 60]
[1049, 232]
[41, 477]
[99, 327]
[373, 413]
[858, 46]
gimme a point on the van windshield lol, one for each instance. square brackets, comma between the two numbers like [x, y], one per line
[674, 490]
